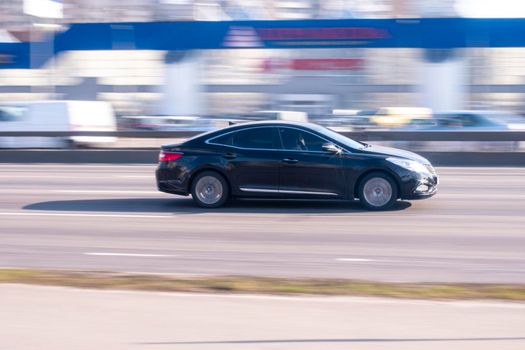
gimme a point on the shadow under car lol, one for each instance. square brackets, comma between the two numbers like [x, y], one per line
[187, 206]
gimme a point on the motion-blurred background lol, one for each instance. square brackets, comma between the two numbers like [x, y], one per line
[388, 64]
[444, 77]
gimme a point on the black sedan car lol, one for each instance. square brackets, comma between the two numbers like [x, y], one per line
[293, 161]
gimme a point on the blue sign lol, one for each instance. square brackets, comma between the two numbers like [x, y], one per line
[427, 33]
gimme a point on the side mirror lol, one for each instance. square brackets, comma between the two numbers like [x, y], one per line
[331, 148]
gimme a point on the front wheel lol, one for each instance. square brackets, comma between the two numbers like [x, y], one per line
[377, 191]
[210, 190]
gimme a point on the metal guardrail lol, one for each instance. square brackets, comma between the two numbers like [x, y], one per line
[122, 134]
[357, 135]
[437, 135]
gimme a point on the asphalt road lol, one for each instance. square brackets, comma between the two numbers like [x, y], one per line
[64, 319]
[112, 218]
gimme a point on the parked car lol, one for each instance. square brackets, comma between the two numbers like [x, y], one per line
[465, 121]
[169, 123]
[399, 116]
[362, 120]
[479, 120]
[347, 120]
[291, 160]
[335, 123]
[56, 116]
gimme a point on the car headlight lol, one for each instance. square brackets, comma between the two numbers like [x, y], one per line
[411, 165]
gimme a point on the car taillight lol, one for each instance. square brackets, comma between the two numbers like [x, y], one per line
[169, 156]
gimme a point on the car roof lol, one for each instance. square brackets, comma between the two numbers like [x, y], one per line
[404, 110]
[178, 117]
[275, 111]
[467, 111]
[240, 126]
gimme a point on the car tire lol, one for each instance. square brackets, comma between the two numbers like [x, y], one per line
[377, 191]
[210, 190]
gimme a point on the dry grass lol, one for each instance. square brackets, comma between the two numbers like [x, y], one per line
[261, 285]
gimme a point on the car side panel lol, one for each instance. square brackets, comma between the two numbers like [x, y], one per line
[253, 172]
[314, 174]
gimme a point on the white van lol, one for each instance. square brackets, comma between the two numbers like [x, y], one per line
[313, 104]
[56, 116]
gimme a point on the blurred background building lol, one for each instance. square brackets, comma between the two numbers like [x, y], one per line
[238, 81]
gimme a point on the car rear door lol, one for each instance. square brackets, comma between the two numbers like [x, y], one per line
[253, 156]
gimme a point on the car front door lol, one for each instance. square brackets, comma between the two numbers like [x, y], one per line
[307, 170]
[253, 156]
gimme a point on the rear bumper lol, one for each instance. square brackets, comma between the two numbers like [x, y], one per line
[168, 183]
[169, 188]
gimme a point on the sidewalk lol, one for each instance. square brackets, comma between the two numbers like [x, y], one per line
[57, 318]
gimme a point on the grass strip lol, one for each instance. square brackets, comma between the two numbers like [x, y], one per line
[262, 285]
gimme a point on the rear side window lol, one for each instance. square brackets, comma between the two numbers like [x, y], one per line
[257, 138]
[226, 140]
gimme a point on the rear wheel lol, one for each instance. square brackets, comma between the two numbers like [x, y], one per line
[378, 191]
[210, 190]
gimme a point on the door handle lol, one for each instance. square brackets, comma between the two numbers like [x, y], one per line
[290, 161]
[229, 155]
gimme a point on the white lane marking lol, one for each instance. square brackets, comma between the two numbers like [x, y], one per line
[89, 215]
[429, 262]
[150, 176]
[130, 254]
[106, 176]
[354, 260]
[104, 191]
[101, 192]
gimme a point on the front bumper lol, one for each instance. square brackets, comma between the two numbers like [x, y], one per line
[418, 185]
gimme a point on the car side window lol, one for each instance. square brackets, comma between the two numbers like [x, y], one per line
[294, 139]
[253, 138]
[467, 120]
[257, 138]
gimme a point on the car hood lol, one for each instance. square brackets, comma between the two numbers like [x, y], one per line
[395, 152]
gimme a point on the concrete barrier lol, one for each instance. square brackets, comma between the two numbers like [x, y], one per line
[150, 156]
[101, 156]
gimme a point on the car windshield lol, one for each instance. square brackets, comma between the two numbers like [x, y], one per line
[12, 113]
[339, 138]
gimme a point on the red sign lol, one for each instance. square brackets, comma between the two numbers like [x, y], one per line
[327, 64]
[6, 58]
